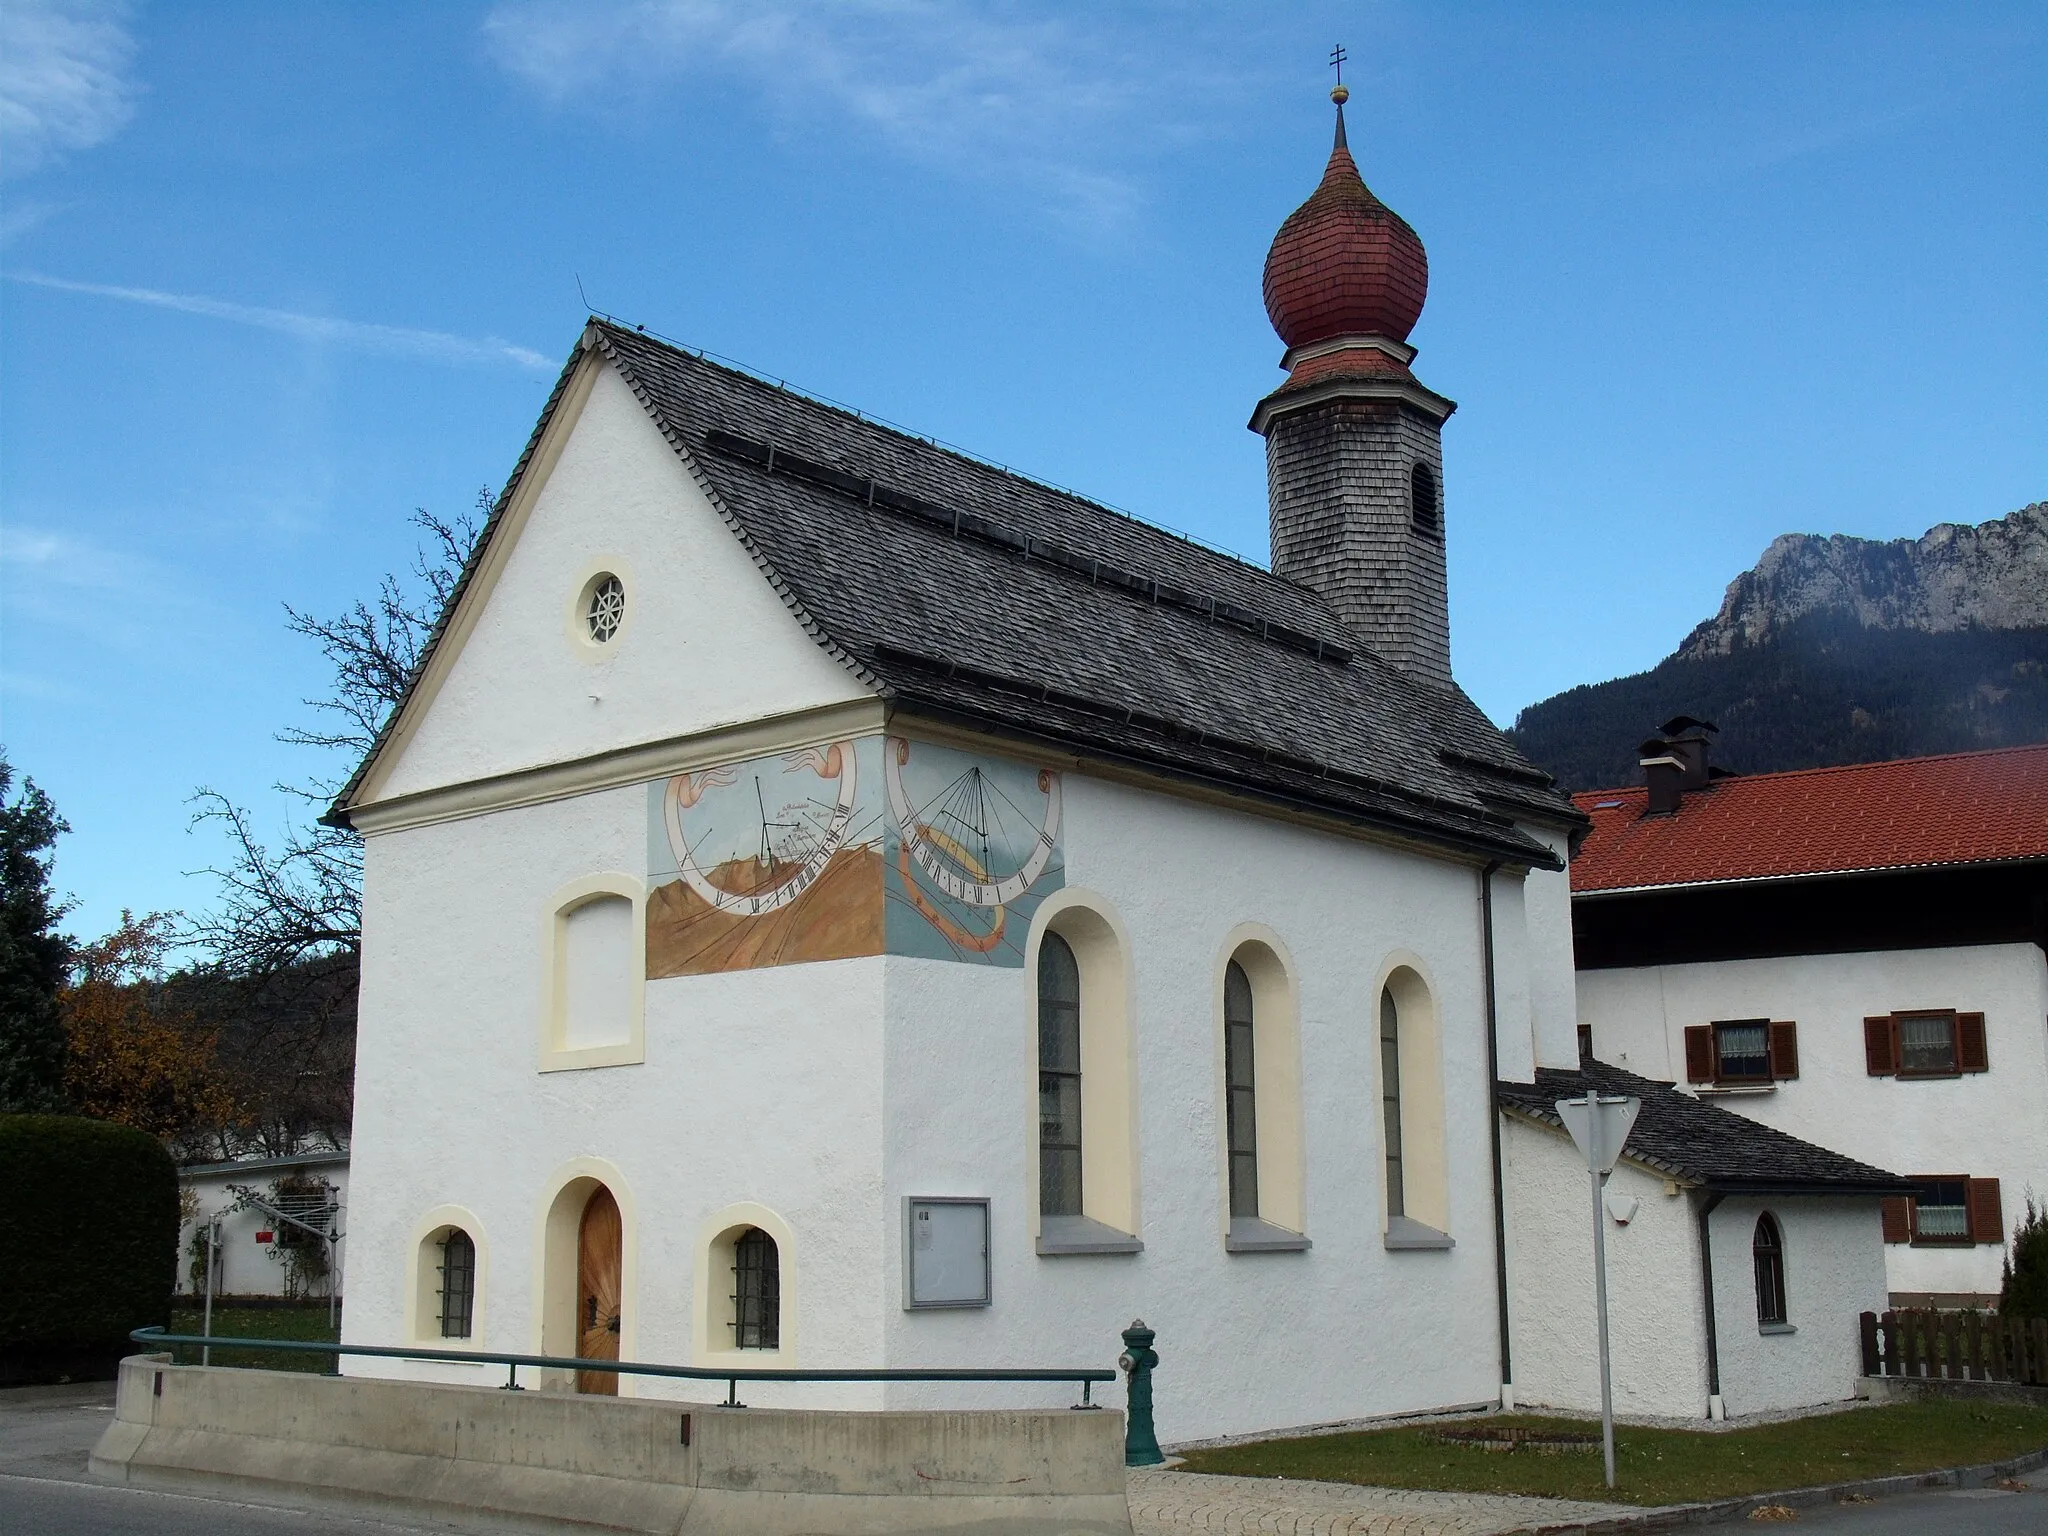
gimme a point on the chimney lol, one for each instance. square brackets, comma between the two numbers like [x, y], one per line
[1689, 740]
[1664, 774]
[1354, 464]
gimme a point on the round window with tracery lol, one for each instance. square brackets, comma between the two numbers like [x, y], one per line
[606, 609]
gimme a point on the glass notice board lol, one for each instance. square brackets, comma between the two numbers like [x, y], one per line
[945, 1251]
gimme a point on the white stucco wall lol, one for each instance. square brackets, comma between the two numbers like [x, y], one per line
[827, 1092]
[1988, 1125]
[759, 1086]
[1248, 1340]
[706, 640]
[247, 1267]
[1656, 1320]
[1834, 1271]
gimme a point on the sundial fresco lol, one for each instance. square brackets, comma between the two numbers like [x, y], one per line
[859, 847]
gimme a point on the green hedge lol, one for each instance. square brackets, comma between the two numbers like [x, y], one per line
[88, 1243]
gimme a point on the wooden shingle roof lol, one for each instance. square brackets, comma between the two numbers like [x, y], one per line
[972, 594]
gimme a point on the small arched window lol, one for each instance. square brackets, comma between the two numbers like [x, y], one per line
[756, 1291]
[1241, 1107]
[458, 1284]
[1423, 511]
[1390, 1101]
[1767, 1250]
[1059, 1078]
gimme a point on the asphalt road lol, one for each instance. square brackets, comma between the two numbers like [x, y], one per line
[45, 1433]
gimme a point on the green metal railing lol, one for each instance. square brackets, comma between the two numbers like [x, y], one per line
[157, 1337]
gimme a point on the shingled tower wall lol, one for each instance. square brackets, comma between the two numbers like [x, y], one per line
[1345, 283]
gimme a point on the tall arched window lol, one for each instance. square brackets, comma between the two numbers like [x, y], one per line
[1059, 1078]
[458, 1284]
[1422, 501]
[756, 1291]
[1241, 1107]
[1390, 1101]
[1767, 1251]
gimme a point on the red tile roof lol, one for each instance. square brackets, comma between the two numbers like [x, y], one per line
[1966, 808]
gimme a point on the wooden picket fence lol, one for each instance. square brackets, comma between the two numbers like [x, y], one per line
[1956, 1346]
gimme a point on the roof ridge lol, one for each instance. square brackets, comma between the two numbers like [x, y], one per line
[1797, 773]
[965, 456]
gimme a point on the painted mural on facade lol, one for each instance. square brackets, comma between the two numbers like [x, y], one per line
[856, 848]
[973, 847]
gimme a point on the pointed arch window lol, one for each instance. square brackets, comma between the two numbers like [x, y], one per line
[1241, 1107]
[1059, 1078]
[1767, 1251]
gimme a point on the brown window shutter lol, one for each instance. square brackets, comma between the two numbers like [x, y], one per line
[1784, 1048]
[1898, 1218]
[1971, 1052]
[1879, 1059]
[1699, 1053]
[1987, 1217]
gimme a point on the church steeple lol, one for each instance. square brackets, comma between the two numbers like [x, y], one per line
[1353, 457]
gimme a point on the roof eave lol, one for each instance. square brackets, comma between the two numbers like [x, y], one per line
[1512, 849]
[1864, 872]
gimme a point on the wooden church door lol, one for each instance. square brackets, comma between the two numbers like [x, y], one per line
[599, 1248]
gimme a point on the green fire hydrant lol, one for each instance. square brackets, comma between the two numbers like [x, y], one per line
[1141, 1445]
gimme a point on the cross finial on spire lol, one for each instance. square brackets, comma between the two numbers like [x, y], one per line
[1340, 94]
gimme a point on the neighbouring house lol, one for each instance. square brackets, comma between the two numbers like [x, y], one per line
[830, 902]
[1856, 955]
[260, 1255]
[1739, 1258]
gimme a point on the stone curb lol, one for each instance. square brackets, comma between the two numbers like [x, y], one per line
[1674, 1516]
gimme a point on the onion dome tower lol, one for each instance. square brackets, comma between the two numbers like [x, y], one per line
[1354, 461]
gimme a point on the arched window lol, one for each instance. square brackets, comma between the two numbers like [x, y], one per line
[1422, 501]
[594, 975]
[458, 1284]
[1767, 1251]
[1390, 1101]
[1059, 1078]
[756, 1291]
[1241, 1107]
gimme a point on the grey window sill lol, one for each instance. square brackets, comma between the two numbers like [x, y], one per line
[1776, 1328]
[1248, 1234]
[1079, 1234]
[1405, 1233]
[1734, 1090]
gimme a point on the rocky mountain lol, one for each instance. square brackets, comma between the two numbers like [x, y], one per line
[1954, 576]
[1836, 650]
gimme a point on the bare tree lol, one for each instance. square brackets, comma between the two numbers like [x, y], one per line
[284, 937]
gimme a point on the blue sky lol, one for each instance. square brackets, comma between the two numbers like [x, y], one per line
[272, 276]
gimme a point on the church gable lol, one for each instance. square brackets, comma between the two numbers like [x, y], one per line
[611, 606]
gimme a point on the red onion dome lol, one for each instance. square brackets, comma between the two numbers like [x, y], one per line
[1344, 263]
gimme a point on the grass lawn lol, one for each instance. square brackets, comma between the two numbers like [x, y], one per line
[1656, 1466]
[303, 1322]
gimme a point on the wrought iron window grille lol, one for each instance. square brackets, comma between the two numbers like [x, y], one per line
[757, 1291]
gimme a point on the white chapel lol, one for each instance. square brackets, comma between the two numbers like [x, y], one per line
[833, 903]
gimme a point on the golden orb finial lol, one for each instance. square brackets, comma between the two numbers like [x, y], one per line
[1340, 94]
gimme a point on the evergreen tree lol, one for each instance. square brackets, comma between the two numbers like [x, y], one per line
[2025, 1293]
[34, 956]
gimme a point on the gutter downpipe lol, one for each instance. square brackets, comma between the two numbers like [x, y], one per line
[1500, 1218]
[1715, 1410]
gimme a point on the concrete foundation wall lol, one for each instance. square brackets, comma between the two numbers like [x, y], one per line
[545, 1461]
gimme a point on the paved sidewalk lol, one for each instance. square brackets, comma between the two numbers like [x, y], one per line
[1164, 1502]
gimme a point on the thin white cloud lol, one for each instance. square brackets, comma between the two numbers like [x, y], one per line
[355, 335]
[977, 90]
[64, 81]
